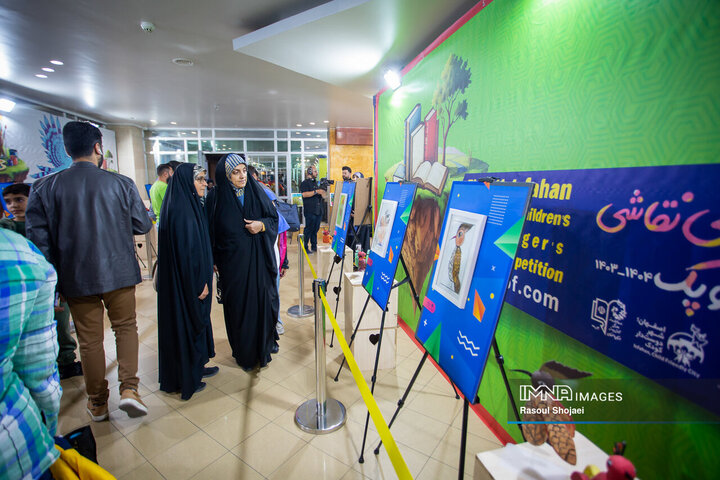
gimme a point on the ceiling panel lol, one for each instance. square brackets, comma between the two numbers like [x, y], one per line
[117, 73]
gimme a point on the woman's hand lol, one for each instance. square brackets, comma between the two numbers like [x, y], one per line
[254, 226]
[282, 272]
[215, 269]
[204, 293]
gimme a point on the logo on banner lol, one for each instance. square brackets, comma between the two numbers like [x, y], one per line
[688, 347]
[608, 317]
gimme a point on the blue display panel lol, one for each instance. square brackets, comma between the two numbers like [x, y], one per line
[473, 261]
[342, 219]
[393, 215]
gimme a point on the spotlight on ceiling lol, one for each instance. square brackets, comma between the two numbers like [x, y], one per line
[393, 79]
[6, 105]
[56, 62]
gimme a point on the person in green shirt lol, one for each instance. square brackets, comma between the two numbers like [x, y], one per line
[16, 197]
[158, 189]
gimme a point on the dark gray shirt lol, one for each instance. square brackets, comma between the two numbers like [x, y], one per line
[83, 219]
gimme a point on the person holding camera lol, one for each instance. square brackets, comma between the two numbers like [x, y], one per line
[312, 205]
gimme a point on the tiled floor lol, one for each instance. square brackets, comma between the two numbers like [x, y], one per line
[242, 426]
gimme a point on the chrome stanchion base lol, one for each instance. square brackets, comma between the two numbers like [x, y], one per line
[307, 311]
[308, 419]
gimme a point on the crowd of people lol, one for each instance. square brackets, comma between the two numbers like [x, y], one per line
[51, 268]
[69, 249]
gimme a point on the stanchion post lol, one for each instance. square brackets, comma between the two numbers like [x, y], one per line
[320, 414]
[148, 252]
[301, 310]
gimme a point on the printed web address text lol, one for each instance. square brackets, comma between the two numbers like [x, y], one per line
[538, 296]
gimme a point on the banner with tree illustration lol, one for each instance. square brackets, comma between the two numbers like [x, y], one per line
[536, 86]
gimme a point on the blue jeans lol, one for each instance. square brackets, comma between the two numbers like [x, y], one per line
[312, 225]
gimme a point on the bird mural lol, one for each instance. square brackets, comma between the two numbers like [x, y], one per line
[52, 140]
[558, 435]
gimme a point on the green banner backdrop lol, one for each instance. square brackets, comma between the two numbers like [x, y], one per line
[547, 85]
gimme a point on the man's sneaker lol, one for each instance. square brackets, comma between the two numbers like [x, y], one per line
[280, 328]
[97, 411]
[210, 372]
[131, 404]
[71, 370]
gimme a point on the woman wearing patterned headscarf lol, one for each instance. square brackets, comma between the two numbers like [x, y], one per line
[185, 339]
[243, 228]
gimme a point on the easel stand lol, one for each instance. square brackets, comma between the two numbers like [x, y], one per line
[377, 356]
[501, 363]
[338, 289]
[357, 326]
[463, 439]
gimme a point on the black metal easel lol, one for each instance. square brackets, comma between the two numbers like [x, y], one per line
[357, 325]
[338, 289]
[377, 357]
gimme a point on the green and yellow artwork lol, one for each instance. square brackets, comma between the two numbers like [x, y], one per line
[549, 85]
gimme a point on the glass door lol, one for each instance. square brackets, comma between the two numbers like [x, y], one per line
[282, 189]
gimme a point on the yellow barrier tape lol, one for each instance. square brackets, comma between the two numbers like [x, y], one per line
[398, 463]
[308, 260]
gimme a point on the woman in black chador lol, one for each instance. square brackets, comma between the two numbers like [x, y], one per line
[243, 228]
[185, 340]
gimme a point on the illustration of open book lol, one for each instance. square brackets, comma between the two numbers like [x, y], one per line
[421, 152]
[431, 176]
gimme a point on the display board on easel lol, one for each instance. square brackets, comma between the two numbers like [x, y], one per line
[341, 218]
[363, 192]
[332, 214]
[479, 237]
[390, 228]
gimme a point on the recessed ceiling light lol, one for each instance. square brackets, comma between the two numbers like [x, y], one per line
[40, 75]
[47, 69]
[297, 133]
[307, 134]
[56, 62]
[173, 123]
[153, 121]
[194, 132]
[326, 121]
[298, 124]
[318, 136]
[312, 123]
[6, 105]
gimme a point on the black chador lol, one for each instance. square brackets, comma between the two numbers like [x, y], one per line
[246, 263]
[185, 340]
